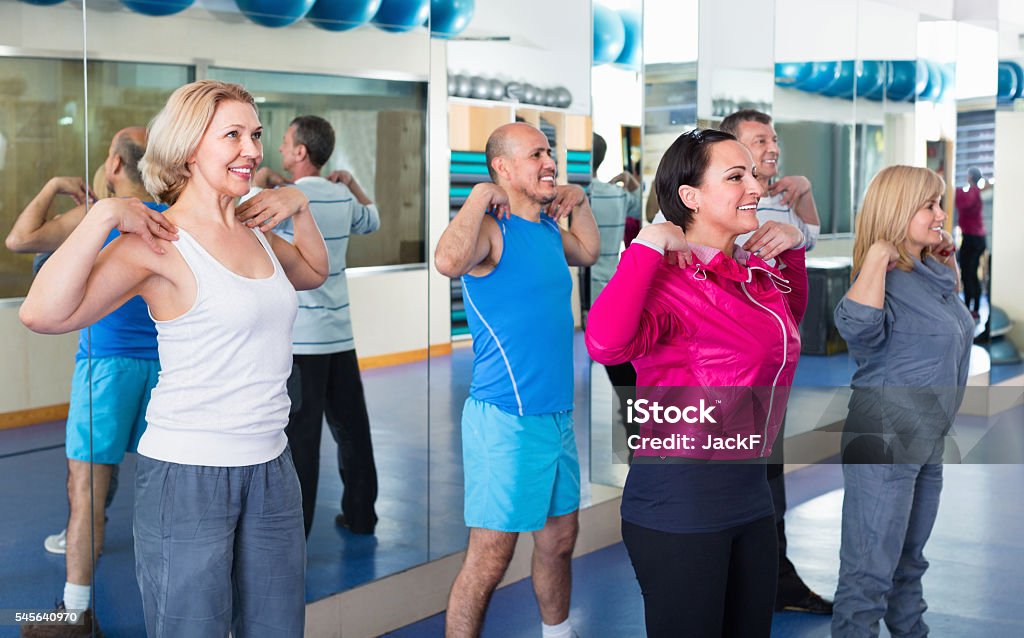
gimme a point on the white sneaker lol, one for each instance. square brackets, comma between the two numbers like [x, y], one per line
[57, 544]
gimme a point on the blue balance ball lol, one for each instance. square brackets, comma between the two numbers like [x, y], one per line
[397, 16]
[842, 86]
[609, 35]
[792, 73]
[902, 82]
[1018, 72]
[158, 7]
[922, 75]
[342, 15]
[886, 74]
[449, 18]
[821, 76]
[632, 46]
[274, 13]
[933, 89]
[870, 77]
[1007, 87]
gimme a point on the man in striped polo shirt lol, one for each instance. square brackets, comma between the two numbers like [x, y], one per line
[325, 375]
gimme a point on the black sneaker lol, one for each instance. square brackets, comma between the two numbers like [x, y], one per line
[81, 629]
[810, 603]
[340, 521]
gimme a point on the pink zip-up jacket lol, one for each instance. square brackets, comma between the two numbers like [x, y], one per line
[720, 335]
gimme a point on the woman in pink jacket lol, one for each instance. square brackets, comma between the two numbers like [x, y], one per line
[712, 331]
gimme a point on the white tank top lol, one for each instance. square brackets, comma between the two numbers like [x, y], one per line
[221, 399]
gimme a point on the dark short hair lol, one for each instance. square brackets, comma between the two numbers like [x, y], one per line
[498, 145]
[684, 163]
[974, 174]
[131, 154]
[599, 151]
[731, 123]
[316, 134]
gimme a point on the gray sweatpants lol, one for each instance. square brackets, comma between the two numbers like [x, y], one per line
[219, 549]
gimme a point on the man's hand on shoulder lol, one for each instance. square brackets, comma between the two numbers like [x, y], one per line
[73, 187]
[492, 198]
[268, 178]
[567, 198]
[792, 187]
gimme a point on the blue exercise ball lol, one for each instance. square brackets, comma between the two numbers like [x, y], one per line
[878, 93]
[449, 18]
[870, 77]
[843, 85]
[43, 3]
[632, 47]
[609, 35]
[922, 75]
[342, 15]
[398, 16]
[933, 89]
[1018, 72]
[275, 13]
[902, 82]
[792, 73]
[158, 7]
[948, 71]
[1007, 83]
[821, 76]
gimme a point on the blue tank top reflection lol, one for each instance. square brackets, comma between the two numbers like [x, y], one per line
[521, 320]
[126, 332]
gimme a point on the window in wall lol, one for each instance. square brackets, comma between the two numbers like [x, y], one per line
[379, 128]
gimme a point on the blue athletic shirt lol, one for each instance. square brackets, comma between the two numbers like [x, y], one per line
[520, 316]
[126, 332]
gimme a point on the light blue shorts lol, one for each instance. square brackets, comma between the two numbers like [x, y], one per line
[120, 394]
[519, 470]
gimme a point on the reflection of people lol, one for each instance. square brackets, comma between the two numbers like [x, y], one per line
[910, 336]
[969, 209]
[518, 447]
[218, 514]
[326, 370]
[787, 200]
[115, 369]
[698, 311]
[612, 206]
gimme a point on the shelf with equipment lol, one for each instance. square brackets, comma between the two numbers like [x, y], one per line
[470, 123]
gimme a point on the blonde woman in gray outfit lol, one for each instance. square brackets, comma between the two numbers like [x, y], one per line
[910, 335]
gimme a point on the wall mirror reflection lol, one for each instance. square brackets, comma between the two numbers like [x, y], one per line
[367, 81]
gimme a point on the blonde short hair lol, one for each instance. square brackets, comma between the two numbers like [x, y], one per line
[175, 132]
[894, 195]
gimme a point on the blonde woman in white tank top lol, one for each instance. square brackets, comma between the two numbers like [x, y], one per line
[219, 538]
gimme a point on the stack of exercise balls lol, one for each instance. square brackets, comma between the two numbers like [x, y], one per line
[445, 18]
[617, 36]
[893, 80]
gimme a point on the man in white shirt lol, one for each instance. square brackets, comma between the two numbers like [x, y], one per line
[787, 200]
[325, 374]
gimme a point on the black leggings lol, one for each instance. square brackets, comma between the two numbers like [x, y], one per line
[971, 250]
[711, 585]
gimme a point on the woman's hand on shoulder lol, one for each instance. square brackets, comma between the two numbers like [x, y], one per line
[884, 249]
[268, 208]
[671, 239]
[772, 239]
[946, 250]
[131, 217]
